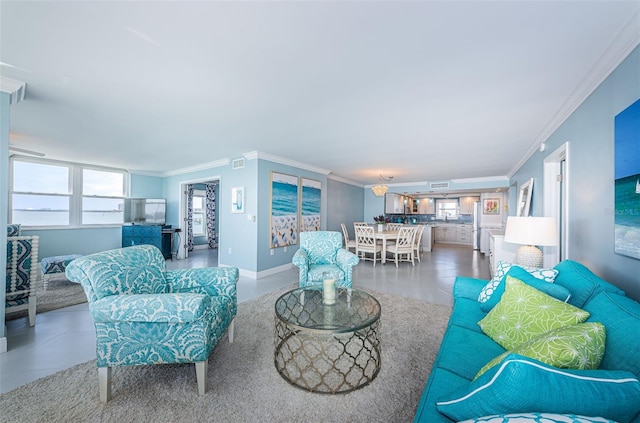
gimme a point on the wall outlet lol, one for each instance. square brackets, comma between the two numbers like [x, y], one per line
[229, 250]
[272, 251]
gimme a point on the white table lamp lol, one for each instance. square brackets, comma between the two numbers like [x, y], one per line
[530, 232]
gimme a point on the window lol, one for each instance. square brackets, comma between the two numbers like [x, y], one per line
[447, 209]
[53, 194]
[199, 213]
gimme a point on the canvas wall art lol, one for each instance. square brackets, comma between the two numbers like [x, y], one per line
[284, 209]
[627, 181]
[491, 206]
[311, 191]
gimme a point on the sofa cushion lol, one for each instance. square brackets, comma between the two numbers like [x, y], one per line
[466, 313]
[440, 380]
[578, 346]
[582, 282]
[502, 268]
[524, 313]
[556, 291]
[538, 418]
[457, 344]
[621, 318]
[507, 388]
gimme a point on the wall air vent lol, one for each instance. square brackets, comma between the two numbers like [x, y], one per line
[237, 164]
[439, 185]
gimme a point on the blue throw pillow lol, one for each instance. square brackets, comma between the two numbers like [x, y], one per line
[556, 291]
[521, 384]
[582, 282]
[538, 418]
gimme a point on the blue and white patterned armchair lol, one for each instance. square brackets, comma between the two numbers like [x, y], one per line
[22, 272]
[146, 314]
[320, 254]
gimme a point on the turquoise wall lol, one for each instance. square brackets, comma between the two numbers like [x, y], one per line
[590, 133]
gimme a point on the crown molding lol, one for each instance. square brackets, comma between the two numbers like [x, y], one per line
[288, 162]
[16, 89]
[623, 44]
[344, 180]
[203, 166]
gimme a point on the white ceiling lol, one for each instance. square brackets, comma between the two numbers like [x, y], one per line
[419, 90]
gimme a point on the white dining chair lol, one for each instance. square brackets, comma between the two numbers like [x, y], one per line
[394, 226]
[418, 240]
[348, 243]
[403, 248]
[366, 244]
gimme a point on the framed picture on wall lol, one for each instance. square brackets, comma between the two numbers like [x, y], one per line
[237, 200]
[310, 193]
[627, 182]
[284, 209]
[491, 206]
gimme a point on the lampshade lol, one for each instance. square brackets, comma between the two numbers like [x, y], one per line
[531, 231]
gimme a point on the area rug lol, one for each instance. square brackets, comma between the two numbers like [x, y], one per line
[243, 384]
[59, 293]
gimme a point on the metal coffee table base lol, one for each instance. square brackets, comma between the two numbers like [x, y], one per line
[329, 363]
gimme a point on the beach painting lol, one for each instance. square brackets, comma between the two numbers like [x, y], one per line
[627, 182]
[311, 191]
[284, 210]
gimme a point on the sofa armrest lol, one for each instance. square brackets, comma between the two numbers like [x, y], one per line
[206, 280]
[150, 308]
[469, 288]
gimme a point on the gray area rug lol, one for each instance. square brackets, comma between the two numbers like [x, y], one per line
[59, 293]
[243, 384]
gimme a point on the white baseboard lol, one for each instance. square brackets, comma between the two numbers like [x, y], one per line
[263, 274]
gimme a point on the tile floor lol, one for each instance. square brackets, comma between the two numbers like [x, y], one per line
[65, 337]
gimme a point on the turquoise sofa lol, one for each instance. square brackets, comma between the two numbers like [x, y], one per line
[465, 349]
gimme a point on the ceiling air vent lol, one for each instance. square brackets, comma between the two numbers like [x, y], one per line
[237, 164]
[439, 185]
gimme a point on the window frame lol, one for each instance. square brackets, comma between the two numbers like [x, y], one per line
[455, 201]
[75, 194]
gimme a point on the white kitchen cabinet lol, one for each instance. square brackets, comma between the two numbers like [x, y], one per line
[466, 204]
[500, 250]
[464, 234]
[447, 233]
[394, 203]
[426, 242]
[427, 206]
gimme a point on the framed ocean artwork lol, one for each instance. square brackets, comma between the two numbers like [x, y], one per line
[311, 191]
[284, 210]
[627, 182]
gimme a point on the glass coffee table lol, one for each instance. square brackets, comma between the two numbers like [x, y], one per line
[327, 348]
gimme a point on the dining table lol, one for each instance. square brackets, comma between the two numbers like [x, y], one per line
[384, 236]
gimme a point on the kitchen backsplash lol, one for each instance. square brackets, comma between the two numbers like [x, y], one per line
[428, 218]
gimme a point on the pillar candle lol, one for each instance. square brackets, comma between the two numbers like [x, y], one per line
[329, 291]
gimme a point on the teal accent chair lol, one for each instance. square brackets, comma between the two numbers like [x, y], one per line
[321, 254]
[22, 272]
[146, 314]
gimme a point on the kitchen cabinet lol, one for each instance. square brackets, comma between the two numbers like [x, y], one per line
[464, 234]
[427, 240]
[466, 204]
[427, 206]
[446, 233]
[394, 203]
[500, 250]
[454, 234]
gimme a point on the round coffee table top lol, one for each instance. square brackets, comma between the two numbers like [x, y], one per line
[352, 311]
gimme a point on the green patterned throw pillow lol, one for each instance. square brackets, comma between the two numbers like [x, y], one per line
[579, 347]
[524, 313]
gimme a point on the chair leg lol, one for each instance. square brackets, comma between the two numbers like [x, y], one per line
[201, 376]
[232, 329]
[104, 382]
[32, 310]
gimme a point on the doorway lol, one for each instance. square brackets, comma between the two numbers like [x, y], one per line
[199, 219]
[556, 188]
